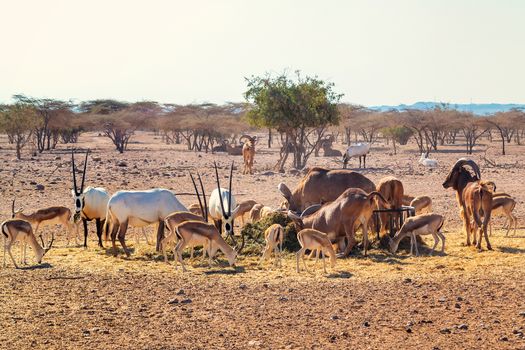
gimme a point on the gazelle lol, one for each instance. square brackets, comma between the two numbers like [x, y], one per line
[90, 203]
[274, 237]
[47, 217]
[503, 206]
[139, 208]
[425, 224]
[202, 233]
[315, 240]
[20, 230]
[221, 207]
[178, 217]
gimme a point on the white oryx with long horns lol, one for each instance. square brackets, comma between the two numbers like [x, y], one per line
[139, 208]
[90, 203]
[223, 207]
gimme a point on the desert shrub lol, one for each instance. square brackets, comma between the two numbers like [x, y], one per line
[254, 234]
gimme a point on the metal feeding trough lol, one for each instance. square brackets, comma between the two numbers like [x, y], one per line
[396, 217]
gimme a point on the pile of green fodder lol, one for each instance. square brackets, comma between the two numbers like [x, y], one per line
[254, 234]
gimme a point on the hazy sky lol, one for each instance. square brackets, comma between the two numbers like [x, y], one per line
[376, 52]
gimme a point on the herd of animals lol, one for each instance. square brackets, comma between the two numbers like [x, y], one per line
[327, 207]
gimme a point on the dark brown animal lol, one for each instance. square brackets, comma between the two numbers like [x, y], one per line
[321, 186]
[392, 190]
[474, 199]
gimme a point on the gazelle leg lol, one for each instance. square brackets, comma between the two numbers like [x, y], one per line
[10, 254]
[178, 254]
[265, 254]
[5, 242]
[324, 260]
[145, 234]
[436, 241]
[191, 252]
[298, 255]
[442, 241]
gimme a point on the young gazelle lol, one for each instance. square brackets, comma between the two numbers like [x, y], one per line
[274, 237]
[47, 217]
[315, 240]
[425, 224]
[21, 230]
[503, 206]
[202, 233]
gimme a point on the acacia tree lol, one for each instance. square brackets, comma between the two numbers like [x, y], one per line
[46, 109]
[300, 108]
[17, 122]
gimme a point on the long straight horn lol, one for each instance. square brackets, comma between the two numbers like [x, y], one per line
[219, 188]
[203, 196]
[73, 171]
[198, 196]
[230, 192]
[13, 207]
[84, 173]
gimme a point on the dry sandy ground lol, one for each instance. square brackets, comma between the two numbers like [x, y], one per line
[88, 299]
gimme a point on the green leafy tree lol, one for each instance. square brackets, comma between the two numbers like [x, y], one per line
[300, 108]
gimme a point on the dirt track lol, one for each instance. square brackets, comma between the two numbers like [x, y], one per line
[88, 299]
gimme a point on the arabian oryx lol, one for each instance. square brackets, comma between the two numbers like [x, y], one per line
[221, 203]
[139, 208]
[90, 203]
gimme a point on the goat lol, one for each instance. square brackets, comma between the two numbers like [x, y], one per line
[21, 230]
[274, 237]
[248, 153]
[202, 233]
[474, 199]
[429, 163]
[90, 203]
[340, 218]
[356, 150]
[332, 183]
[503, 206]
[315, 240]
[392, 190]
[139, 208]
[425, 224]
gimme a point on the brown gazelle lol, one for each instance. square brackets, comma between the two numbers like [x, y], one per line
[202, 233]
[425, 224]
[315, 240]
[504, 206]
[248, 153]
[175, 219]
[47, 217]
[20, 230]
[274, 238]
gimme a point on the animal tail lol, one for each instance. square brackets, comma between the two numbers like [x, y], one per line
[380, 197]
[4, 230]
[109, 223]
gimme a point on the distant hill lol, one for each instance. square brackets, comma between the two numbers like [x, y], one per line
[476, 108]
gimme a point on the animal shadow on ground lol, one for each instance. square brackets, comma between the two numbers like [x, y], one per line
[339, 274]
[225, 271]
[512, 250]
[37, 267]
[110, 251]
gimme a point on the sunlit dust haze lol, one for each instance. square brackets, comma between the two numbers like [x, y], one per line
[375, 52]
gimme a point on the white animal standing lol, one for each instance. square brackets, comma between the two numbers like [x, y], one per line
[222, 206]
[139, 208]
[360, 150]
[429, 163]
[90, 203]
